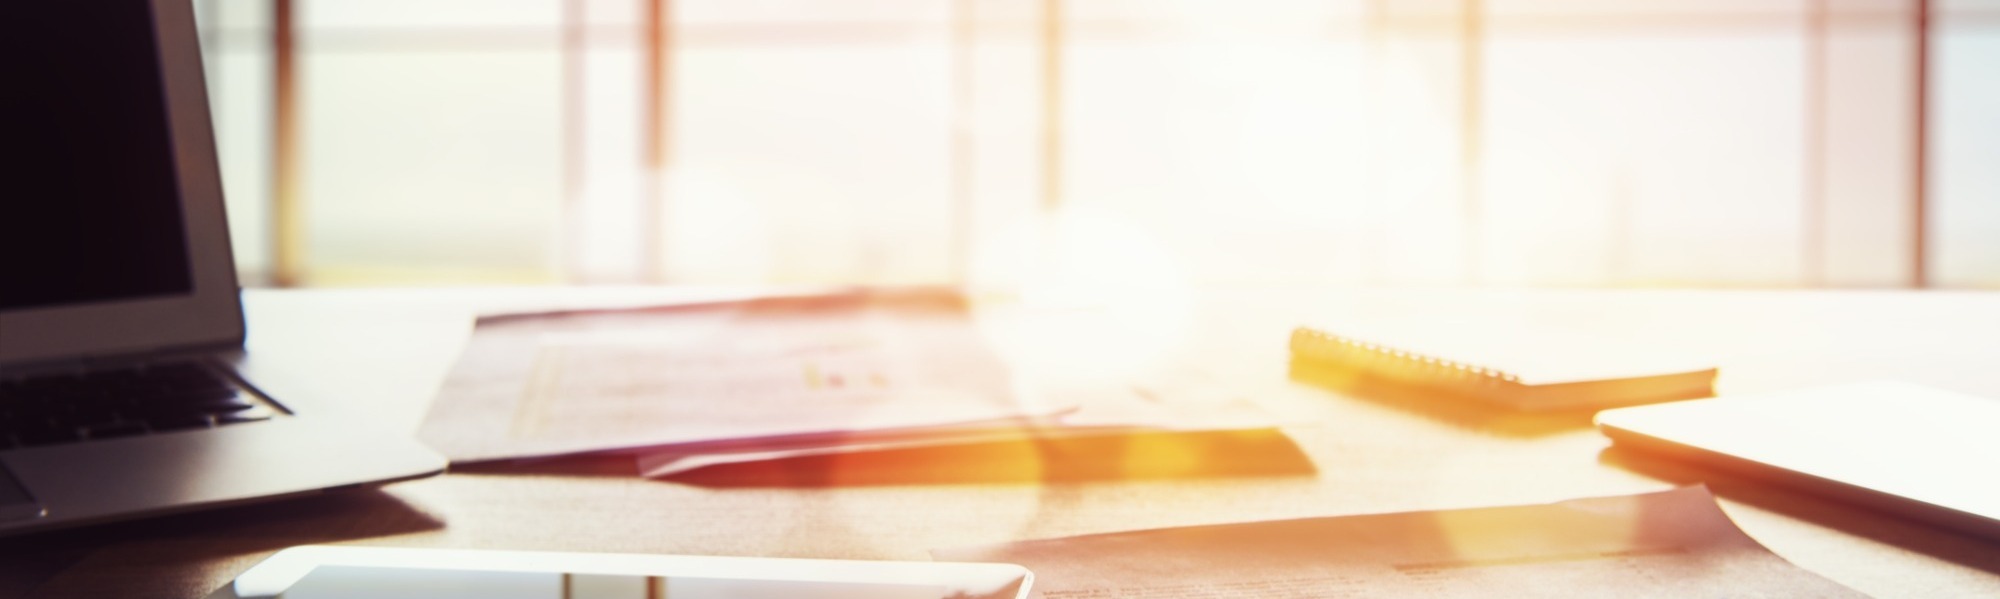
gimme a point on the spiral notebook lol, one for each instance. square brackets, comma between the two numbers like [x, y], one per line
[1538, 372]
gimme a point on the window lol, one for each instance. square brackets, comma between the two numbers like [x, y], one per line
[1203, 142]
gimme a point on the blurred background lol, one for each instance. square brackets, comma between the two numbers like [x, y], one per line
[993, 143]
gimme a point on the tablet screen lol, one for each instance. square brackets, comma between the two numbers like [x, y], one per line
[358, 582]
[322, 572]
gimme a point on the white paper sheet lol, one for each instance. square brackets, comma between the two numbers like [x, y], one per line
[1669, 544]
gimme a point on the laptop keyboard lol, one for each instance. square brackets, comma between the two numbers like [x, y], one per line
[75, 407]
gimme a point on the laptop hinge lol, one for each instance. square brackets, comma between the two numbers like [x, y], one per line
[111, 361]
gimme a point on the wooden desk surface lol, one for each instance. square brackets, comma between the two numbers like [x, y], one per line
[1370, 455]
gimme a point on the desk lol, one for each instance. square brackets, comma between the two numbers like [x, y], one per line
[388, 350]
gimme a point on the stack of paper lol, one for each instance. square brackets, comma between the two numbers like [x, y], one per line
[695, 385]
[1669, 544]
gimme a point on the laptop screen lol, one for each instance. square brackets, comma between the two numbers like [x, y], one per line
[89, 204]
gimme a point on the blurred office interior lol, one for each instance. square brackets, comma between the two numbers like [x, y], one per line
[1149, 143]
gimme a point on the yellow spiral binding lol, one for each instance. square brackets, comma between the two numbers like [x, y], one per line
[1320, 349]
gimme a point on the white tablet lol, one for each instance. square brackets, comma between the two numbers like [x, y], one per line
[339, 572]
[1923, 453]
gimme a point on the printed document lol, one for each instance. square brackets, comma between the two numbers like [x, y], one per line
[718, 375]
